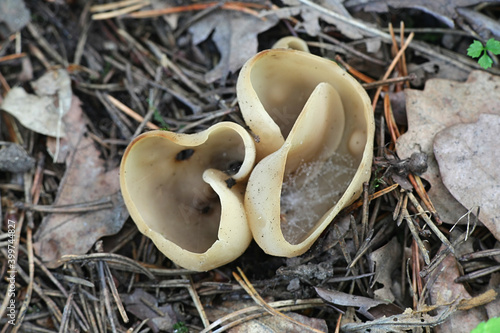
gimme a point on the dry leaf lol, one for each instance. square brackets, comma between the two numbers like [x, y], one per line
[340, 298]
[493, 308]
[85, 181]
[445, 291]
[386, 259]
[14, 15]
[444, 10]
[235, 34]
[43, 112]
[441, 104]
[34, 112]
[135, 303]
[14, 158]
[485, 26]
[468, 158]
[311, 18]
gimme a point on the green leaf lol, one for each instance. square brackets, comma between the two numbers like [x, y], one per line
[485, 61]
[493, 46]
[475, 49]
[491, 326]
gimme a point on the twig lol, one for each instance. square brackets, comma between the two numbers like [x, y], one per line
[231, 5]
[128, 111]
[431, 225]
[118, 12]
[196, 301]
[84, 207]
[45, 44]
[12, 57]
[391, 67]
[110, 258]
[105, 295]
[376, 84]
[67, 311]
[114, 292]
[476, 274]
[245, 283]
[375, 195]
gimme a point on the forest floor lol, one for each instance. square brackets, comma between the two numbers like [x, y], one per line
[79, 80]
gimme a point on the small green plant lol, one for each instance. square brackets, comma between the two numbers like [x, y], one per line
[180, 327]
[491, 326]
[478, 50]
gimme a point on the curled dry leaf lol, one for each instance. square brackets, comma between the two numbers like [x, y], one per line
[42, 112]
[441, 104]
[85, 180]
[235, 35]
[468, 157]
[385, 259]
[444, 290]
[137, 304]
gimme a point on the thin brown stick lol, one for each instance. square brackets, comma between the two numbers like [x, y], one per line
[376, 84]
[391, 67]
[128, 111]
[245, 284]
[196, 301]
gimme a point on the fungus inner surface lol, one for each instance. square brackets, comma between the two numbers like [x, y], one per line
[310, 192]
[164, 180]
[313, 184]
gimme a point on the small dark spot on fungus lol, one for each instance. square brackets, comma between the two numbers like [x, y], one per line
[234, 167]
[205, 209]
[184, 154]
[230, 182]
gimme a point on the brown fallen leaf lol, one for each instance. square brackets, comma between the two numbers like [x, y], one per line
[385, 259]
[85, 180]
[235, 34]
[468, 158]
[340, 298]
[139, 304]
[441, 104]
[445, 290]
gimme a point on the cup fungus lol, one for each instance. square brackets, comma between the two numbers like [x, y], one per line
[185, 192]
[315, 127]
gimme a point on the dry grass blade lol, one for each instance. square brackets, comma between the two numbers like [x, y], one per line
[67, 311]
[116, 10]
[231, 5]
[114, 292]
[245, 284]
[196, 301]
[105, 296]
[234, 320]
[110, 258]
